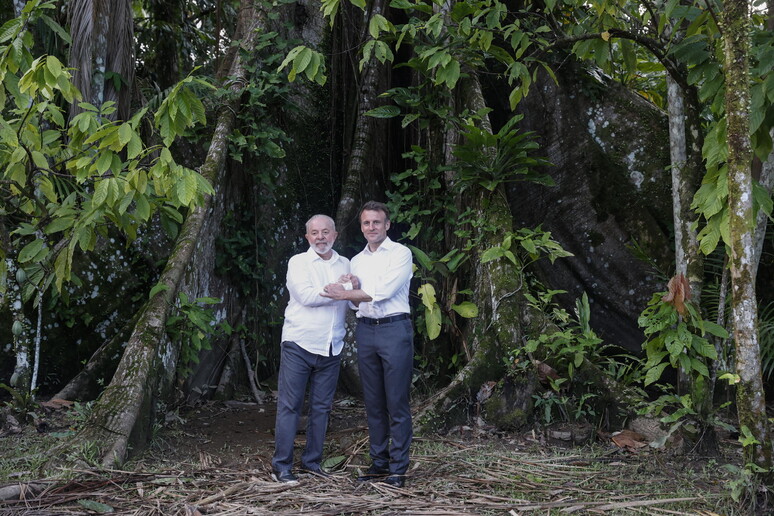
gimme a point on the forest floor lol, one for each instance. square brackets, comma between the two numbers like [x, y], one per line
[215, 459]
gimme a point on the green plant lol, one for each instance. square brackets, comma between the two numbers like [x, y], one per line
[22, 403]
[676, 336]
[525, 247]
[491, 159]
[553, 406]
[561, 352]
[194, 327]
[766, 336]
[569, 345]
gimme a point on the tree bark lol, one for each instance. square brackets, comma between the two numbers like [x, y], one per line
[363, 137]
[103, 43]
[750, 397]
[116, 417]
[84, 386]
[497, 287]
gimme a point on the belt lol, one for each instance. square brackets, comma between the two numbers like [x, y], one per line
[384, 320]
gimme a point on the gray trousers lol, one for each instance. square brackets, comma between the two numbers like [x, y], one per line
[298, 368]
[385, 355]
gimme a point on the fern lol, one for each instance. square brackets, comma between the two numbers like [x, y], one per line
[766, 339]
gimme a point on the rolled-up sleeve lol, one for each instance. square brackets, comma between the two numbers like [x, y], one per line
[394, 277]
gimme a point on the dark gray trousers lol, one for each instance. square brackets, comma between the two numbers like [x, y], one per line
[385, 355]
[298, 368]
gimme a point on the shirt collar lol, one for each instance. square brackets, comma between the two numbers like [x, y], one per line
[386, 245]
[312, 255]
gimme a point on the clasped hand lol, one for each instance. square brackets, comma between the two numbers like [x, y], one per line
[338, 290]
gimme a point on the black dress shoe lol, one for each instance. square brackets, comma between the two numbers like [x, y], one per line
[285, 477]
[373, 473]
[318, 472]
[395, 480]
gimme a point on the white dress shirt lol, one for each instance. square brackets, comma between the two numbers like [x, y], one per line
[385, 276]
[314, 322]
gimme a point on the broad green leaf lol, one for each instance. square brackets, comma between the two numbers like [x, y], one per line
[466, 309]
[125, 133]
[383, 112]
[529, 245]
[142, 208]
[433, 321]
[715, 329]
[101, 190]
[427, 292]
[492, 253]
[30, 250]
[654, 373]
[158, 287]
[59, 224]
[39, 159]
[422, 258]
[186, 189]
[54, 66]
[699, 366]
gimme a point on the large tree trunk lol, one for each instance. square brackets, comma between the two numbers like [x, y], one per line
[750, 397]
[497, 288]
[612, 199]
[122, 411]
[363, 140]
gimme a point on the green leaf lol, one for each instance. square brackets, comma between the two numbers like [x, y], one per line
[104, 161]
[125, 133]
[186, 189]
[699, 366]
[159, 287]
[427, 292]
[30, 250]
[54, 66]
[59, 224]
[383, 112]
[492, 254]
[142, 208]
[529, 245]
[654, 373]
[422, 258]
[433, 321]
[100, 192]
[466, 309]
[715, 329]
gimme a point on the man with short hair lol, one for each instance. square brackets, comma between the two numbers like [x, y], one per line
[380, 278]
[312, 340]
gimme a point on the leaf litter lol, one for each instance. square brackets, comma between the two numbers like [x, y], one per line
[457, 474]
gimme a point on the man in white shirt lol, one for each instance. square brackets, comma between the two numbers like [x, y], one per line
[312, 339]
[380, 278]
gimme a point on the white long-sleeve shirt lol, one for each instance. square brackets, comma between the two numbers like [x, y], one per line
[314, 322]
[385, 276]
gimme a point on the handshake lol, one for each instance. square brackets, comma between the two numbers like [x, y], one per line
[336, 290]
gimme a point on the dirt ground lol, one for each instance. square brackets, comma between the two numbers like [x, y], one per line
[241, 434]
[215, 459]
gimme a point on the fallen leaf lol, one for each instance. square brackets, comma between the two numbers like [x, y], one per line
[56, 403]
[629, 440]
[545, 371]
